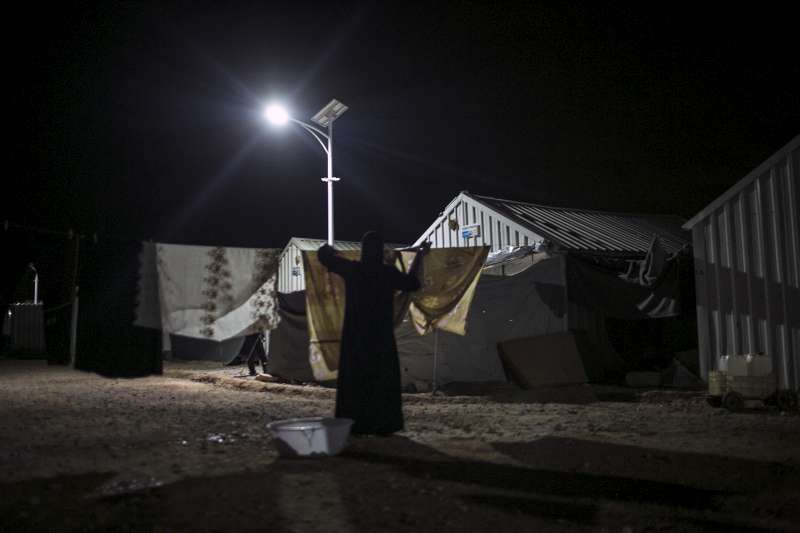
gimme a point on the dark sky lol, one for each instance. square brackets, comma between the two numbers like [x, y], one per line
[140, 120]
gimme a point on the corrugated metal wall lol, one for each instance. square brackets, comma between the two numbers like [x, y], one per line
[747, 268]
[27, 327]
[290, 271]
[496, 230]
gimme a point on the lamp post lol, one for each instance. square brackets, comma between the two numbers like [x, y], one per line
[35, 283]
[324, 118]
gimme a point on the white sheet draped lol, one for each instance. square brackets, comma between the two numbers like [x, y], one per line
[213, 293]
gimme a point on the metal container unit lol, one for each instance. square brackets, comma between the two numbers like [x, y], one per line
[291, 276]
[747, 268]
[27, 328]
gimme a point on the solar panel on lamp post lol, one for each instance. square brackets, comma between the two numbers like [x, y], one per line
[324, 118]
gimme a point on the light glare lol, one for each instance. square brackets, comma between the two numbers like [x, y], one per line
[276, 114]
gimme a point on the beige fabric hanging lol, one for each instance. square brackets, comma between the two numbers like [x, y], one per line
[325, 311]
[450, 276]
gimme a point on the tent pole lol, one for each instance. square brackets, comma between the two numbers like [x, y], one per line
[73, 330]
[435, 359]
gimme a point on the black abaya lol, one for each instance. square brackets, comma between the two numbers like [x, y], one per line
[368, 383]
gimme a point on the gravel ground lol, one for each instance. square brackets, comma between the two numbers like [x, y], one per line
[189, 451]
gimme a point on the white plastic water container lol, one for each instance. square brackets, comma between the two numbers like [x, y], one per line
[738, 365]
[752, 364]
[310, 437]
[760, 364]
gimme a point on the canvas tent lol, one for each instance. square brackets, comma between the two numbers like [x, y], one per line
[532, 303]
[529, 304]
[289, 351]
[312, 332]
[535, 302]
[552, 270]
[573, 270]
[449, 280]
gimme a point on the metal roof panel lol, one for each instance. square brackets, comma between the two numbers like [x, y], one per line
[593, 231]
[312, 245]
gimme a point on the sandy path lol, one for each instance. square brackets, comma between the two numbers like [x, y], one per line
[163, 448]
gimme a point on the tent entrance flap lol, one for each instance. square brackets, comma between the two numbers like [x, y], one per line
[289, 342]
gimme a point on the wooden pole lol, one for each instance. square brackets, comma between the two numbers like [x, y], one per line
[73, 329]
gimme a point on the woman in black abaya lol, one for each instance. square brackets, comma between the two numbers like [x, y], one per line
[368, 384]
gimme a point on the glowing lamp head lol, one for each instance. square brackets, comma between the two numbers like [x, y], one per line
[276, 114]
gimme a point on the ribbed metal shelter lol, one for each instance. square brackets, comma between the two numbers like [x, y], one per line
[291, 276]
[290, 270]
[747, 268]
[474, 220]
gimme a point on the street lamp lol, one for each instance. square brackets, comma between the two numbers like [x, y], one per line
[325, 117]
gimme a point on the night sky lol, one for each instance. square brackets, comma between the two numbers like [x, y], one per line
[140, 121]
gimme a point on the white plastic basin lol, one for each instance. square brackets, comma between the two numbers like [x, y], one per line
[310, 437]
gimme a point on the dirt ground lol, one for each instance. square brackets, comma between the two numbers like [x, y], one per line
[189, 451]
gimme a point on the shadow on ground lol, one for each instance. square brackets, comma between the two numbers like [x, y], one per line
[395, 484]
